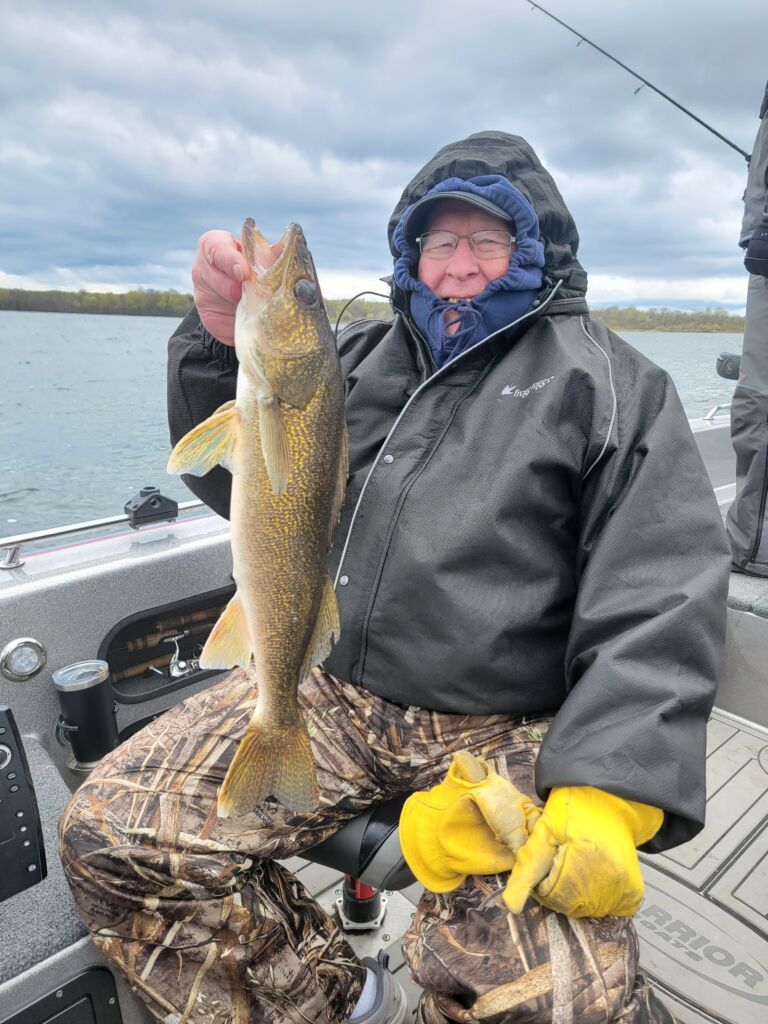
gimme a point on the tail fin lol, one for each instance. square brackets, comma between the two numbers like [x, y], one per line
[270, 762]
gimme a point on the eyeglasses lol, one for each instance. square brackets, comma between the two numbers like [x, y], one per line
[486, 245]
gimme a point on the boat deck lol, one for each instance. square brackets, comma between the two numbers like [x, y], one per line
[703, 926]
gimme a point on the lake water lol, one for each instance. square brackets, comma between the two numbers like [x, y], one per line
[83, 409]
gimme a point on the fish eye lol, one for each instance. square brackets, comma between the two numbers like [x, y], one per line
[305, 291]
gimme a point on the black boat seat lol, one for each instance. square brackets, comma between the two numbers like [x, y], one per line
[368, 847]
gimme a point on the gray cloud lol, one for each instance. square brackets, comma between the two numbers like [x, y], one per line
[125, 136]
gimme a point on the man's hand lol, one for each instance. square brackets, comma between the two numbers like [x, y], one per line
[580, 859]
[471, 823]
[217, 275]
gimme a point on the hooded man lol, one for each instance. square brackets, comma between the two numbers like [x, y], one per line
[531, 575]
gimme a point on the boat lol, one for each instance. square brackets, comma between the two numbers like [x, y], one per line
[138, 592]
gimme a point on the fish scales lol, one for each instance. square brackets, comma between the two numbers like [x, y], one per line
[284, 439]
[273, 566]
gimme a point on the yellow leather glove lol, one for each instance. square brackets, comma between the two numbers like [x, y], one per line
[472, 823]
[581, 858]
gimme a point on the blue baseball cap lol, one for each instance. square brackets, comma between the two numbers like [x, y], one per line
[418, 215]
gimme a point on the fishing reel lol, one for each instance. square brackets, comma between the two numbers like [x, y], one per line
[728, 365]
[179, 667]
[756, 255]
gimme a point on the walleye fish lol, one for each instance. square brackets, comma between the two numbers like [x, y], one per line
[284, 440]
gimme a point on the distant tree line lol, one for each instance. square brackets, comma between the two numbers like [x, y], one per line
[628, 318]
[142, 302]
[358, 309]
[148, 302]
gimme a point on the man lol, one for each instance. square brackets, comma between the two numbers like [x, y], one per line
[531, 568]
[746, 526]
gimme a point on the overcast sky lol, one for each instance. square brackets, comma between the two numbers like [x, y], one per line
[130, 127]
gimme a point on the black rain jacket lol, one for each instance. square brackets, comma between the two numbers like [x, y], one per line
[529, 529]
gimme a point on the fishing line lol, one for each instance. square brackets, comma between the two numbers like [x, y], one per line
[583, 39]
[349, 303]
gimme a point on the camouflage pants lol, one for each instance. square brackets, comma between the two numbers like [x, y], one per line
[206, 927]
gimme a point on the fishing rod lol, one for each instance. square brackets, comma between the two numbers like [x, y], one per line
[583, 39]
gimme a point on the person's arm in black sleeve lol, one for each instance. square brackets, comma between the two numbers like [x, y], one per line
[648, 629]
[202, 375]
[756, 192]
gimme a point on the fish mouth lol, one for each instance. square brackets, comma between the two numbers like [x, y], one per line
[283, 278]
[291, 250]
[271, 263]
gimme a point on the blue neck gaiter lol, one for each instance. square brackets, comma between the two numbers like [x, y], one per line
[501, 302]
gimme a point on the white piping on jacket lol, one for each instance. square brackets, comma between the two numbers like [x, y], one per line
[613, 392]
[403, 411]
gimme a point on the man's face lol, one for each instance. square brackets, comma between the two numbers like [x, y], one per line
[463, 276]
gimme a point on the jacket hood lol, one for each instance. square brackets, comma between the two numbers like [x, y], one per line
[490, 153]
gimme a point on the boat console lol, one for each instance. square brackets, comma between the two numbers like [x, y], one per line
[22, 848]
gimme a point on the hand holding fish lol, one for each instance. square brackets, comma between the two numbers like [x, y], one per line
[217, 275]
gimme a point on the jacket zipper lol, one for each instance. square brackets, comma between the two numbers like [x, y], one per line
[393, 524]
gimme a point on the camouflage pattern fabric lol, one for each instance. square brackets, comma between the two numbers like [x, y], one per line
[206, 927]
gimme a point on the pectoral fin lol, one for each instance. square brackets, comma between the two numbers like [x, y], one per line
[212, 442]
[274, 443]
[228, 643]
[325, 633]
[341, 485]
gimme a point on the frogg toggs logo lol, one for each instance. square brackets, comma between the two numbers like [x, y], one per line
[517, 392]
